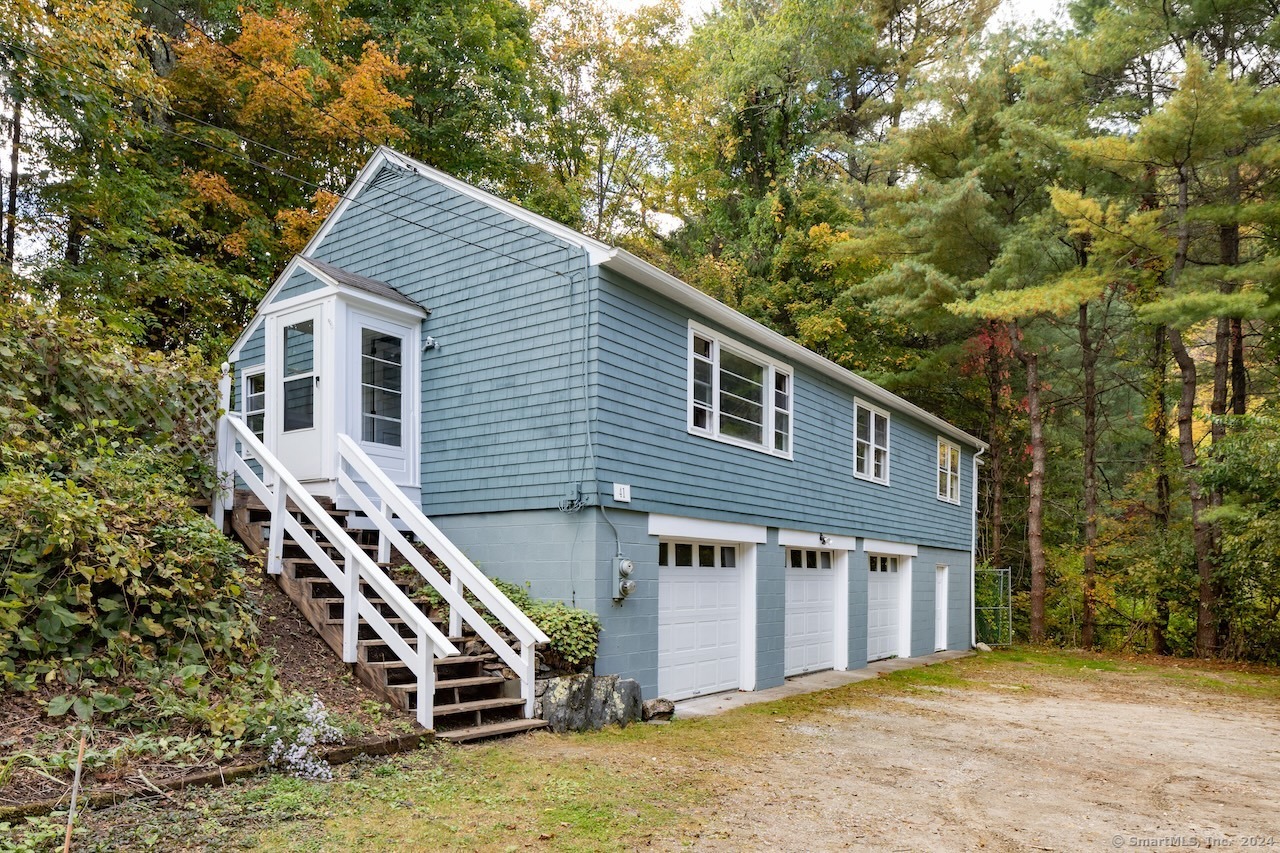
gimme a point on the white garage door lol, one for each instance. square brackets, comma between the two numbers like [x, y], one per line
[810, 614]
[884, 589]
[699, 618]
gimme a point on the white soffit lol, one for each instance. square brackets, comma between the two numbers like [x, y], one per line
[677, 527]
[899, 549]
[806, 539]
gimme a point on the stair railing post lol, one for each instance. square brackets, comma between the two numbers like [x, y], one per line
[224, 484]
[455, 615]
[530, 660]
[275, 546]
[384, 541]
[350, 608]
[426, 681]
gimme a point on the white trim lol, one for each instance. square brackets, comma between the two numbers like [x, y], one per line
[597, 252]
[941, 607]
[399, 309]
[859, 403]
[747, 620]
[363, 177]
[667, 285]
[973, 555]
[905, 603]
[841, 659]
[245, 374]
[805, 539]
[892, 549]
[264, 307]
[772, 367]
[950, 445]
[678, 527]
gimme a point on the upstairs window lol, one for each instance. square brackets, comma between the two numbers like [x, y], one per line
[948, 472]
[738, 396]
[871, 443]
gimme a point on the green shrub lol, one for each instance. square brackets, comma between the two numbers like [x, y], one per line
[107, 561]
[574, 633]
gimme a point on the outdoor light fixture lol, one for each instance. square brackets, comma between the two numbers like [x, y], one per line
[822, 539]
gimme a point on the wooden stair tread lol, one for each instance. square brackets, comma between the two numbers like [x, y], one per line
[392, 664]
[450, 683]
[478, 705]
[508, 727]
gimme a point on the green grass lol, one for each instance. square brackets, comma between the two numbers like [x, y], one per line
[610, 790]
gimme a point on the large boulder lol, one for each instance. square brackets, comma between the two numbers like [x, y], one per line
[579, 703]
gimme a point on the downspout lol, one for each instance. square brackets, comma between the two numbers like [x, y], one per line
[973, 556]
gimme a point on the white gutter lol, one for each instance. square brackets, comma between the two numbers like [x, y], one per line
[973, 557]
[684, 294]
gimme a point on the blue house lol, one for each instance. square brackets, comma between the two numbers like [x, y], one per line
[734, 507]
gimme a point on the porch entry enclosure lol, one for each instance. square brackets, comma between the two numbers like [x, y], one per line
[339, 360]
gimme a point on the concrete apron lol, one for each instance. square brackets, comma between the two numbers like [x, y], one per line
[718, 703]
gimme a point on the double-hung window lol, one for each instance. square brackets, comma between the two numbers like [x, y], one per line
[738, 396]
[254, 397]
[870, 443]
[948, 472]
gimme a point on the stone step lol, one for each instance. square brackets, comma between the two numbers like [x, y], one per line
[486, 730]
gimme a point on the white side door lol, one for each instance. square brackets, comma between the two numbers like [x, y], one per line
[940, 609]
[382, 409]
[295, 367]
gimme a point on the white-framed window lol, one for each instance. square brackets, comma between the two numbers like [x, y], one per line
[808, 558]
[381, 374]
[883, 564]
[253, 400]
[948, 472]
[697, 555]
[737, 395]
[870, 443]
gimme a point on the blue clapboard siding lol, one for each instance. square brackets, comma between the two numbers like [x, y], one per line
[254, 351]
[503, 408]
[642, 439]
[300, 282]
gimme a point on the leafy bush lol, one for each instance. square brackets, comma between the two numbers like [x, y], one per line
[574, 633]
[107, 561]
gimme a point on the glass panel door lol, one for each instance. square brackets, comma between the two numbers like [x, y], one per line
[299, 359]
[381, 379]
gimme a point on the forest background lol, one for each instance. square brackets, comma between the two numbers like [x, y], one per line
[1061, 237]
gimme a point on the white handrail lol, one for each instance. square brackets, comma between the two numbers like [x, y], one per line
[464, 575]
[360, 566]
[459, 566]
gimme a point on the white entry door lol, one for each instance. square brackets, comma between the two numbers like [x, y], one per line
[383, 413]
[884, 606]
[810, 611]
[699, 618]
[295, 366]
[940, 610]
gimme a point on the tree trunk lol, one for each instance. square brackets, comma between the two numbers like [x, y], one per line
[995, 387]
[1206, 628]
[11, 209]
[1089, 364]
[1164, 496]
[1239, 377]
[1035, 501]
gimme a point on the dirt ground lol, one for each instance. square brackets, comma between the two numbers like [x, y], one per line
[1084, 761]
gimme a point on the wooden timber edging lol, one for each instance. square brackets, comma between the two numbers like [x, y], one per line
[215, 778]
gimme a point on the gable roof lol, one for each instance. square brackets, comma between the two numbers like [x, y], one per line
[334, 278]
[359, 282]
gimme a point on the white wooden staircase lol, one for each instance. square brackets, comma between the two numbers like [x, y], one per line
[391, 595]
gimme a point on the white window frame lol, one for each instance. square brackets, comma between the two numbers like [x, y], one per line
[949, 473]
[873, 446]
[257, 370]
[772, 370]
